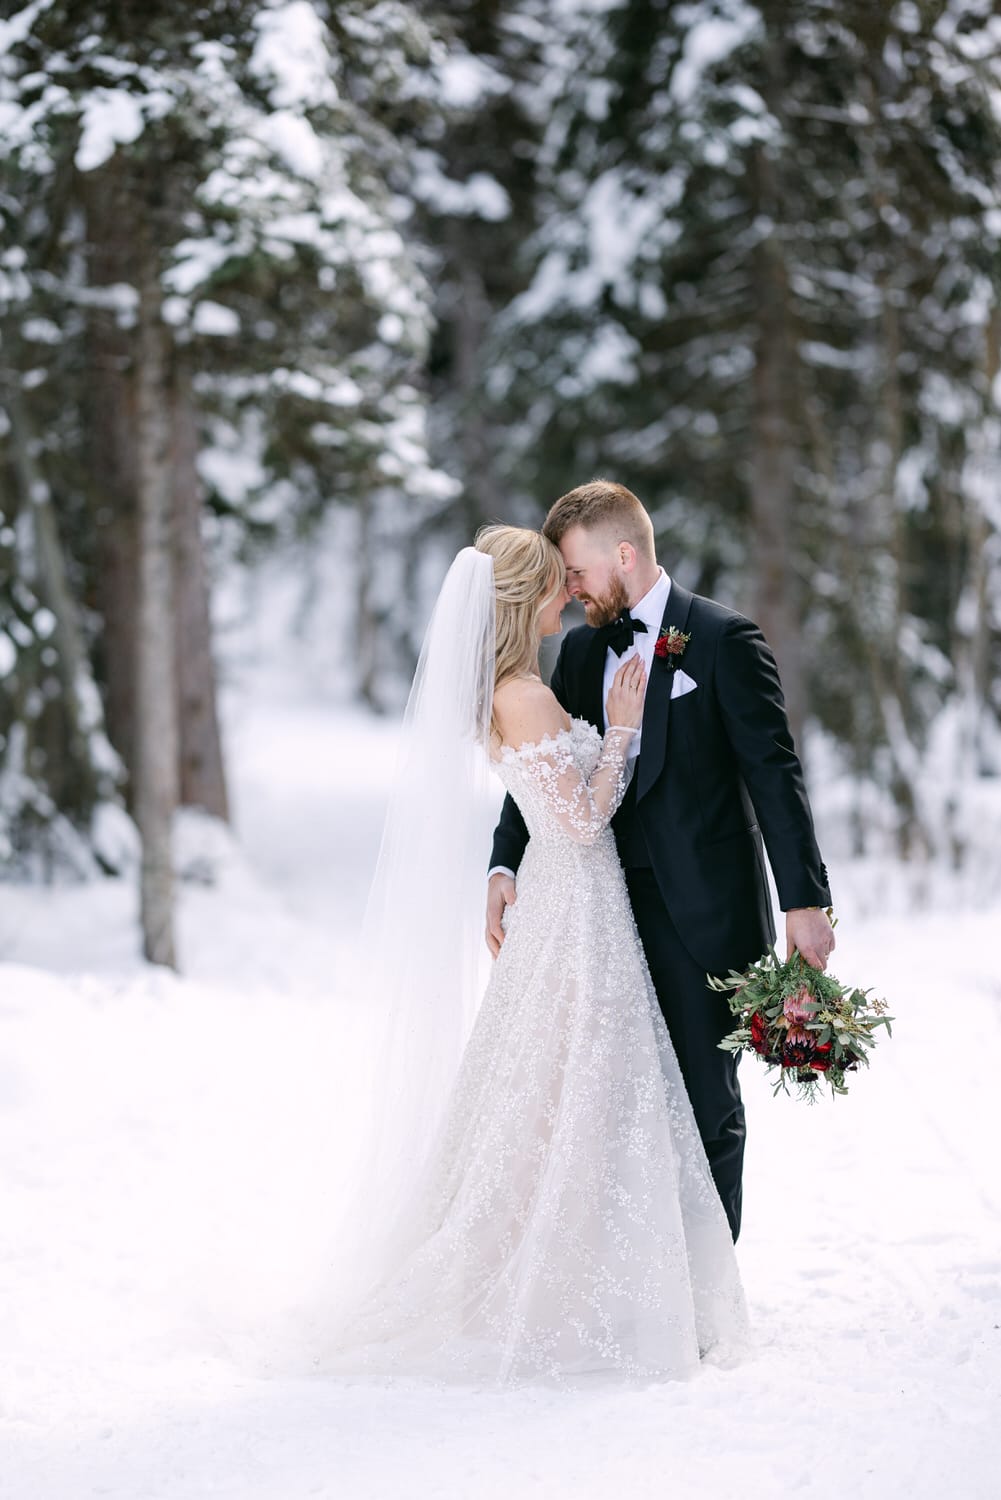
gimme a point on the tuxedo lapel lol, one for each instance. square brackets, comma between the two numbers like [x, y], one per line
[657, 708]
[592, 696]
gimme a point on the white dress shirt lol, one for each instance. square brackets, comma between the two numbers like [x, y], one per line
[649, 609]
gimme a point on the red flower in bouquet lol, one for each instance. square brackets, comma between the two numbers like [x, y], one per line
[759, 1034]
[802, 1022]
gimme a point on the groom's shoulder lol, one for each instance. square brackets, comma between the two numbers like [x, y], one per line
[718, 616]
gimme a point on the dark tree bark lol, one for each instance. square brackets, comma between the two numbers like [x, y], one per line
[775, 441]
[114, 468]
[986, 465]
[470, 319]
[368, 612]
[83, 775]
[156, 731]
[202, 779]
[773, 482]
[112, 459]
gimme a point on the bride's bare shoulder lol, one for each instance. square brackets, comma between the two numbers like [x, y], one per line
[526, 710]
[521, 695]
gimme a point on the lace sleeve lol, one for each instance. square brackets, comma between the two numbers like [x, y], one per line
[582, 807]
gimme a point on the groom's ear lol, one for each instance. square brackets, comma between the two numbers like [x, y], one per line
[626, 553]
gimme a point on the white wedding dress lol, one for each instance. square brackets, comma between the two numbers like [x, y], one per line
[569, 1228]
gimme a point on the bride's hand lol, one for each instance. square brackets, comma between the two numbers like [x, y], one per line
[501, 893]
[625, 698]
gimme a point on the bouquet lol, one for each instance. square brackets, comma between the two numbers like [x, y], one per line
[802, 1021]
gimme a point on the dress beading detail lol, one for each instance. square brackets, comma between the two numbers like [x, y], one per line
[569, 1230]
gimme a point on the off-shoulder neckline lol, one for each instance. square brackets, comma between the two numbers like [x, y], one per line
[528, 748]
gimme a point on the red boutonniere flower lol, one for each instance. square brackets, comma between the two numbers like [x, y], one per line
[670, 645]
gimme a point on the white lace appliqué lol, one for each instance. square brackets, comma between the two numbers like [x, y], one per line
[582, 804]
[569, 1229]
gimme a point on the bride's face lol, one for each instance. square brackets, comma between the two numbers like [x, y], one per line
[595, 576]
[549, 619]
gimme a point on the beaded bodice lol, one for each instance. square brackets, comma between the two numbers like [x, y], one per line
[568, 785]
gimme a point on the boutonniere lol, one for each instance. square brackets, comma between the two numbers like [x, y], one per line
[670, 645]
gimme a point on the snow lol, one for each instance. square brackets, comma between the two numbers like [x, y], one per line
[814, 352]
[618, 221]
[619, 226]
[464, 80]
[391, 328]
[194, 262]
[292, 55]
[301, 228]
[16, 28]
[293, 139]
[170, 1147]
[708, 41]
[41, 331]
[480, 196]
[115, 838]
[115, 117]
[175, 311]
[214, 319]
[231, 465]
[8, 654]
[328, 385]
[611, 356]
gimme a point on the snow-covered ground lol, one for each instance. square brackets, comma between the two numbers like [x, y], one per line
[168, 1162]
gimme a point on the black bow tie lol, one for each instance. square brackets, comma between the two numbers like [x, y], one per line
[619, 635]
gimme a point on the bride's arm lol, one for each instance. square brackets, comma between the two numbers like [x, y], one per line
[534, 725]
[582, 808]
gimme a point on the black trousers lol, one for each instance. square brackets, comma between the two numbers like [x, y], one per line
[697, 1020]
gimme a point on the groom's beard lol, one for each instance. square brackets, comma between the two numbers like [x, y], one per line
[603, 610]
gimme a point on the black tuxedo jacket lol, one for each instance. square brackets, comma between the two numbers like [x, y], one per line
[717, 770]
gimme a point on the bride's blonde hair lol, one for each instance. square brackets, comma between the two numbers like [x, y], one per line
[528, 574]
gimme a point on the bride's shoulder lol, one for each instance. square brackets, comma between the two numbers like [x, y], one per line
[526, 710]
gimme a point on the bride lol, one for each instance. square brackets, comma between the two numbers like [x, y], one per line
[534, 1198]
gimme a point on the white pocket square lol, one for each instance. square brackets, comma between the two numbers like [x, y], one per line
[682, 683]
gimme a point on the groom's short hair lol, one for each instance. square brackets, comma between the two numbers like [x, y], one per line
[603, 505]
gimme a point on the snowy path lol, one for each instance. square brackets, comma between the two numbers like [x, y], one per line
[165, 1165]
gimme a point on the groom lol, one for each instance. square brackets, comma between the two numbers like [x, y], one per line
[717, 772]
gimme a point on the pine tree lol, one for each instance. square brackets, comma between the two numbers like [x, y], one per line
[255, 145]
[475, 183]
[763, 229]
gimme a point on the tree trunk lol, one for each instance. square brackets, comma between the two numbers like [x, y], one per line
[156, 735]
[89, 771]
[202, 780]
[886, 532]
[773, 492]
[891, 539]
[112, 462]
[367, 611]
[470, 319]
[987, 484]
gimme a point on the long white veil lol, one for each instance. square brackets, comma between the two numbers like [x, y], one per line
[422, 951]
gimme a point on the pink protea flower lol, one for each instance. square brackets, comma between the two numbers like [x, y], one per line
[795, 1009]
[797, 1034]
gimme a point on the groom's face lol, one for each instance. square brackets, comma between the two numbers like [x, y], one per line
[595, 576]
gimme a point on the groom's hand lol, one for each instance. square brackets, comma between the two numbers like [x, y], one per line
[500, 895]
[809, 929]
